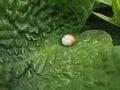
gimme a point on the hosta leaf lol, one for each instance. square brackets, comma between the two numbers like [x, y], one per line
[91, 63]
[26, 24]
[32, 57]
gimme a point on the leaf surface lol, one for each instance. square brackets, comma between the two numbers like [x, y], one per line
[107, 2]
[31, 54]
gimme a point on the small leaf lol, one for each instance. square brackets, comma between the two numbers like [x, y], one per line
[106, 18]
[107, 2]
[116, 11]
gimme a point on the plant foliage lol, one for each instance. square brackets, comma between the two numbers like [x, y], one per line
[32, 56]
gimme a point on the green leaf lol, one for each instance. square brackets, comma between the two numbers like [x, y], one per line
[25, 29]
[115, 19]
[32, 56]
[91, 63]
[116, 11]
[105, 18]
[107, 2]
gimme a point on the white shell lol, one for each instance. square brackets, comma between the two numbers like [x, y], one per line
[68, 40]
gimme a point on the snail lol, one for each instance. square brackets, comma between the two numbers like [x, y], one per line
[68, 40]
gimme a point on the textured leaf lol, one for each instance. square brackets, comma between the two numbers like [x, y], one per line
[32, 57]
[25, 24]
[91, 63]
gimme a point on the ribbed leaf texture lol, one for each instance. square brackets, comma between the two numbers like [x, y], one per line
[32, 56]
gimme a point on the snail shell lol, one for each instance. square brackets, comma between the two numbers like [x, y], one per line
[68, 40]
